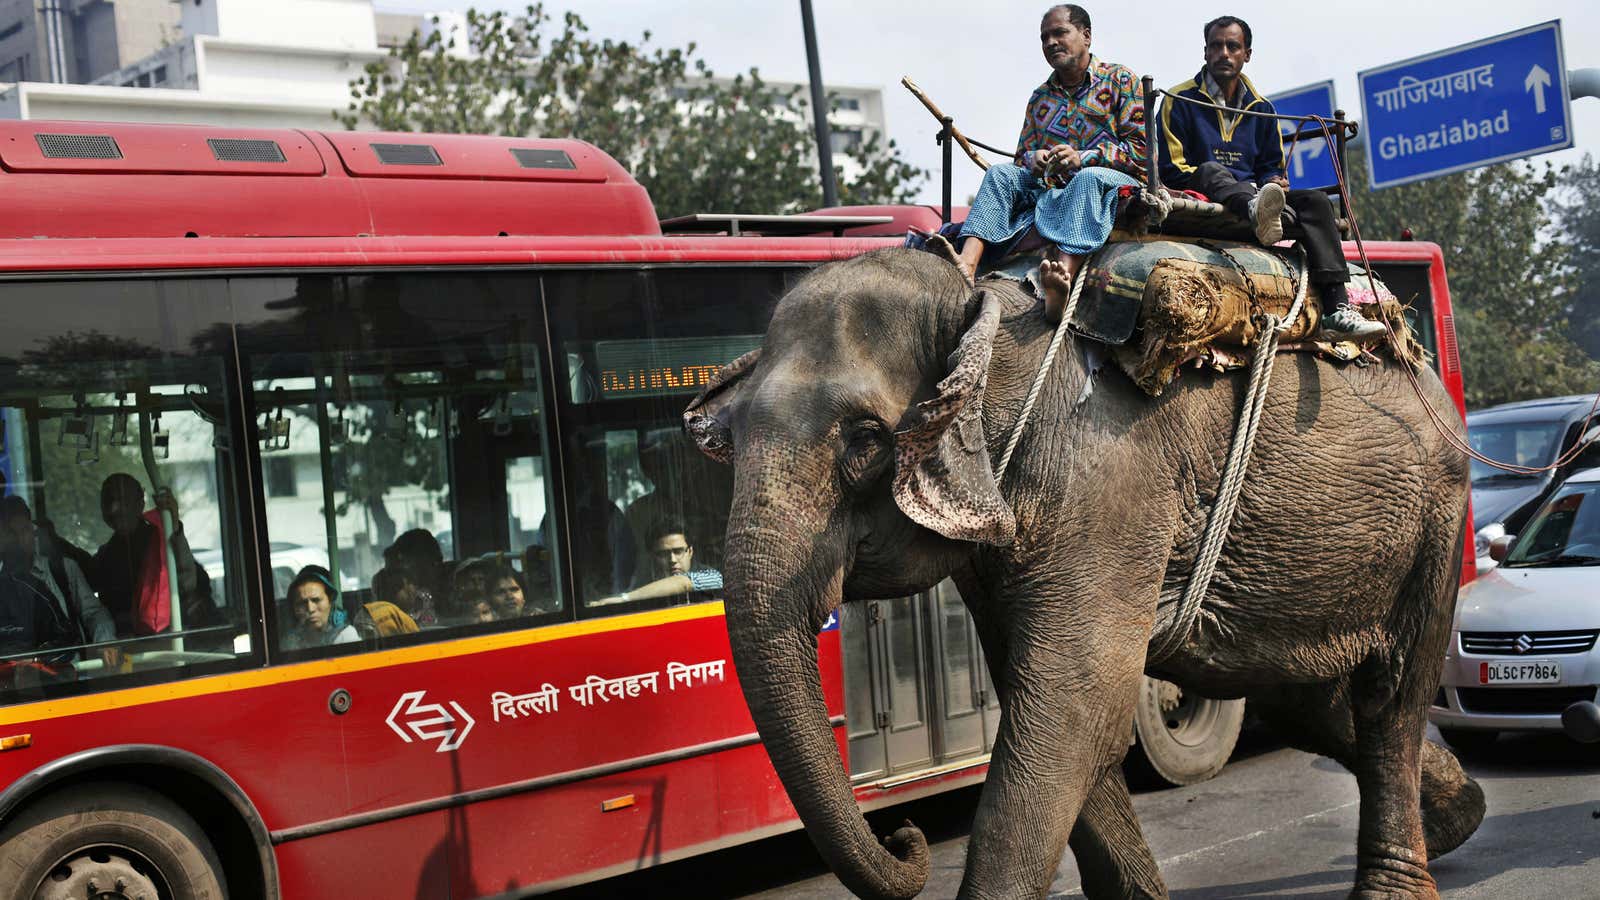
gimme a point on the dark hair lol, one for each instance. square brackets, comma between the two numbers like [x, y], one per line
[1224, 22]
[1076, 14]
[665, 525]
[12, 506]
[315, 575]
[418, 546]
[120, 486]
[387, 583]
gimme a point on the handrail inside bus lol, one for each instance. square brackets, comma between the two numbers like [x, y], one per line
[118, 642]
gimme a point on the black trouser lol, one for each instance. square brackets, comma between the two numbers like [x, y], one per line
[1314, 211]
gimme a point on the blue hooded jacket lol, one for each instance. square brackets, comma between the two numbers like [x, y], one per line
[1190, 135]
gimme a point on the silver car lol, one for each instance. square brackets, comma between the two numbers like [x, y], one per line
[1522, 648]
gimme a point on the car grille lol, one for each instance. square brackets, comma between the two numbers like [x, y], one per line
[1501, 643]
[1526, 700]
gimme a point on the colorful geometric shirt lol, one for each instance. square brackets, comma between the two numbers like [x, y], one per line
[1103, 116]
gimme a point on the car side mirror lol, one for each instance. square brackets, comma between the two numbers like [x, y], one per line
[1500, 546]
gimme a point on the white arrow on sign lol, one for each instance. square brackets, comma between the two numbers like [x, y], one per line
[1538, 79]
[1305, 151]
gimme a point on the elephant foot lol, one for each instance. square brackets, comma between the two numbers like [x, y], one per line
[1452, 802]
[1393, 873]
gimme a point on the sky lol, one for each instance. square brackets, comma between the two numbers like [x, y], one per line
[980, 59]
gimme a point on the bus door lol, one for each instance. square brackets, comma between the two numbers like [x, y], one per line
[917, 690]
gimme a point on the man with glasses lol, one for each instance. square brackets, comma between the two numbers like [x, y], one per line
[672, 560]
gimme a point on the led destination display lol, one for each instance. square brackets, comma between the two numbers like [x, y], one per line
[665, 366]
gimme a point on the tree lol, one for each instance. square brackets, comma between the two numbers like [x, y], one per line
[1579, 214]
[695, 141]
[1510, 273]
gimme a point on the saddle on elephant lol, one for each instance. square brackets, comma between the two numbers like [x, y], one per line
[1166, 303]
[1169, 303]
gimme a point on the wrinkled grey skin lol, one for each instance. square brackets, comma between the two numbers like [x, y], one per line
[1330, 608]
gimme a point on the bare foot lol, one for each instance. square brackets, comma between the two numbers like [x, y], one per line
[971, 254]
[1055, 280]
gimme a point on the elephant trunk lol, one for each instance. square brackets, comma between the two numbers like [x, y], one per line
[775, 585]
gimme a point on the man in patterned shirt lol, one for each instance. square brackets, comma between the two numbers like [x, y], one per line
[1082, 139]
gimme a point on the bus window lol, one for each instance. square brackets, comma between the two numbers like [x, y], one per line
[1409, 282]
[403, 449]
[649, 512]
[118, 434]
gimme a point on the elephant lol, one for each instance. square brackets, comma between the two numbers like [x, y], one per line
[863, 436]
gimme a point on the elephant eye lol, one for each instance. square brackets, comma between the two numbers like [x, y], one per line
[865, 454]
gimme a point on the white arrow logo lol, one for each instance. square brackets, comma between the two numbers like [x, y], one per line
[425, 728]
[1538, 79]
[1303, 152]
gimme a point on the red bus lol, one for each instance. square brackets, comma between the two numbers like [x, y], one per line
[415, 400]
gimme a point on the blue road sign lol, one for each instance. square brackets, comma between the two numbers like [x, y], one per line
[1310, 162]
[1485, 102]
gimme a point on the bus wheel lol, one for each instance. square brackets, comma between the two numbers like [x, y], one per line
[107, 841]
[1183, 738]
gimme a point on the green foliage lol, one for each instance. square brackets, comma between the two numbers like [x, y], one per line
[1578, 211]
[698, 143]
[1509, 267]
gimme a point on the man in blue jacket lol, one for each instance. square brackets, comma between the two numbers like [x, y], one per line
[1238, 161]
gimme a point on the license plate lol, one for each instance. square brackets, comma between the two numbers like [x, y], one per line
[1519, 671]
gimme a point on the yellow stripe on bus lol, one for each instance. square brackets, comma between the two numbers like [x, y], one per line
[261, 677]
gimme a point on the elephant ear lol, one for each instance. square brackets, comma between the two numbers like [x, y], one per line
[701, 420]
[942, 477]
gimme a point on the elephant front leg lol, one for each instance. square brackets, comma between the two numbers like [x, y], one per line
[1065, 714]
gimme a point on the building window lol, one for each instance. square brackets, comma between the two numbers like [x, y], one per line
[160, 75]
[847, 103]
[845, 140]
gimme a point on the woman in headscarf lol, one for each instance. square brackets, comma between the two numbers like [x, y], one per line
[319, 616]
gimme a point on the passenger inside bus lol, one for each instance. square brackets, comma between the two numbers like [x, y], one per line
[318, 619]
[131, 561]
[394, 597]
[417, 556]
[601, 541]
[672, 465]
[538, 588]
[45, 600]
[506, 593]
[672, 559]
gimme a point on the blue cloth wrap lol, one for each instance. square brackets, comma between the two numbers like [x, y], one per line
[1077, 218]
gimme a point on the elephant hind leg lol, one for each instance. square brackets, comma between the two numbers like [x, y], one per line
[1113, 858]
[1317, 719]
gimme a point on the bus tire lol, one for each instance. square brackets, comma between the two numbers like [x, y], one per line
[1181, 737]
[128, 840]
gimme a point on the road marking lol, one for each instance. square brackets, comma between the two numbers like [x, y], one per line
[1184, 857]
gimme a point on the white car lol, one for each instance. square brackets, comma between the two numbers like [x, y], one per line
[1522, 648]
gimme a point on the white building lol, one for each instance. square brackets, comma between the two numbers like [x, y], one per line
[259, 63]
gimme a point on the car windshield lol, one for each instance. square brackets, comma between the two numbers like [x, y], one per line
[1566, 531]
[1517, 443]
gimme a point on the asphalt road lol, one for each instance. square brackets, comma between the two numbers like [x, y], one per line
[1275, 823]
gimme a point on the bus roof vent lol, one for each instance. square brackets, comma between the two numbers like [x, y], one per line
[535, 158]
[78, 146]
[246, 150]
[407, 155]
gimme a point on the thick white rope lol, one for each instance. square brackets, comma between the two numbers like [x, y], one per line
[1044, 370]
[1166, 643]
